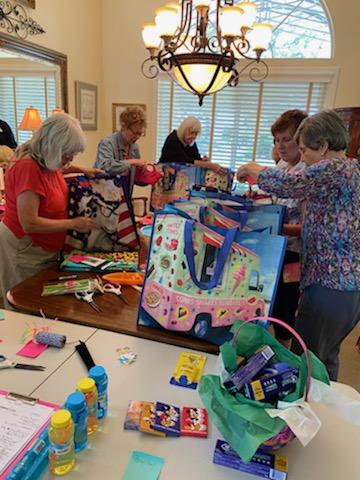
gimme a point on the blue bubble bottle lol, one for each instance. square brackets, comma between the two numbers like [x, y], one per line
[98, 374]
[76, 404]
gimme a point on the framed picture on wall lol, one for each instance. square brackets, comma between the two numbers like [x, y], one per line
[86, 105]
[117, 108]
[28, 3]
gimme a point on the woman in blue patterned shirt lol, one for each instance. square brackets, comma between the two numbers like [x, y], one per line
[330, 257]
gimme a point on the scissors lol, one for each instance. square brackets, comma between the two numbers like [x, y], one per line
[6, 363]
[116, 289]
[88, 298]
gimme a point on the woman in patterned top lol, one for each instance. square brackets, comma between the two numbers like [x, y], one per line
[330, 257]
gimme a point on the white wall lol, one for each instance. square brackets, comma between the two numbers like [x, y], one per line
[74, 28]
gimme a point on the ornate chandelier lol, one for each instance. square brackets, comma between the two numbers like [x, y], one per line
[201, 55]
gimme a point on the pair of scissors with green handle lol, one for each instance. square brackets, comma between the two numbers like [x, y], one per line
[6, 363]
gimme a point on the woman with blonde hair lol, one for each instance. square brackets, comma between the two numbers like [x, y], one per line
[33, 230]
[329, 307]
[119, 153]
[180, 146]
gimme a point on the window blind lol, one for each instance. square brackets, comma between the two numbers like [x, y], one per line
[20, 91]
[236, 121]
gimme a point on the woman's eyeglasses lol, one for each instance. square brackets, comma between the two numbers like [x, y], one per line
[137, 133]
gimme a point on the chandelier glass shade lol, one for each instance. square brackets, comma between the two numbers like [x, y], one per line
[201, 49]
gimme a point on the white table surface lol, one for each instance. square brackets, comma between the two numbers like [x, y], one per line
[332, 455]
[11, 332]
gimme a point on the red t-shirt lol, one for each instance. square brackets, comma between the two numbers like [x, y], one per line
[27, 175]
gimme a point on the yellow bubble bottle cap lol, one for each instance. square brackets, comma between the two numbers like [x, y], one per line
[60, 419]
[86, 385]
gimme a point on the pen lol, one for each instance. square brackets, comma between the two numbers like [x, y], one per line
[64, 277]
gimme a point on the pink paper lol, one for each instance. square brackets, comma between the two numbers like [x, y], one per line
[77, 258]
[32, 349]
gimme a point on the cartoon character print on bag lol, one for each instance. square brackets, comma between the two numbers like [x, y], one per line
[104, 201]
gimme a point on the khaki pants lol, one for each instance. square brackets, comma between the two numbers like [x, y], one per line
[19, 260]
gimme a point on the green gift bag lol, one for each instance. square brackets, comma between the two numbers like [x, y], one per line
[244, 423]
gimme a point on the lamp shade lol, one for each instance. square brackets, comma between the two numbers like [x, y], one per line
[31, 119]
[249, 14]
[151, 36]
[261, 36]
[200, 76]
[201, 3]
[230, 21]
[166, 20]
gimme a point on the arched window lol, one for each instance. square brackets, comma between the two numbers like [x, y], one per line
[301, 28]
[236, 121]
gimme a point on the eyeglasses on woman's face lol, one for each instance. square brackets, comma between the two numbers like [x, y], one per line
[137, 132]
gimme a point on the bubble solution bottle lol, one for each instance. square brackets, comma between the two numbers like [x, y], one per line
[61, 439]
[88, 388]
[98, 374]
[76, 404]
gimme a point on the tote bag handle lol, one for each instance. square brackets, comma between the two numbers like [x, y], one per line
[220, 261]
[293, 332]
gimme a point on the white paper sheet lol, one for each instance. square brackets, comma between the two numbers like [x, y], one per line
[19, 423]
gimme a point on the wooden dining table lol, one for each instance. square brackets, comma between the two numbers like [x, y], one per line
[115, 314]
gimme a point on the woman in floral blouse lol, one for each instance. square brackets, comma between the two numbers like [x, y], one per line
[330, 257]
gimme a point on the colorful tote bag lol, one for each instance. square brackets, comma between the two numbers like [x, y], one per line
[270, 217]
[176, 183]
[270, 248]
[179, 179]
[198, 281]
[221, 182]
[105, 199]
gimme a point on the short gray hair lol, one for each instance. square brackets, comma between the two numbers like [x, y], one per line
[325, 126]
[60, 134]
[188, 122]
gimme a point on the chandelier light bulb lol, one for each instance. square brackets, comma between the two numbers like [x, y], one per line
[201, 3]
[166, 20]
[151, 36]
[261, 36]
[249, 15]
[176, 6]
[230, 21]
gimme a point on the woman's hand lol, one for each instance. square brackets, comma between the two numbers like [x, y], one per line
[215, 167]
[138, 162]
[91, 172]
[82, 224]
[251, 170]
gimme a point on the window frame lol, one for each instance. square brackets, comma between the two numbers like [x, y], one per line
[290, 74]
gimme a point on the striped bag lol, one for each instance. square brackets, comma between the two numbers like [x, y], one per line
[105, 199]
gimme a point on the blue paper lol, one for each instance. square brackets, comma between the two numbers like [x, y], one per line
[2, 315]
[143, 465]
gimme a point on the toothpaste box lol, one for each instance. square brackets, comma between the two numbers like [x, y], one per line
[262, 464]
[245, 373]
[272, 387]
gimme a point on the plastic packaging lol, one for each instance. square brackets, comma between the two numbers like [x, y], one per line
[61, 438]
[76, 404]
[88, 388]
[98, 374]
